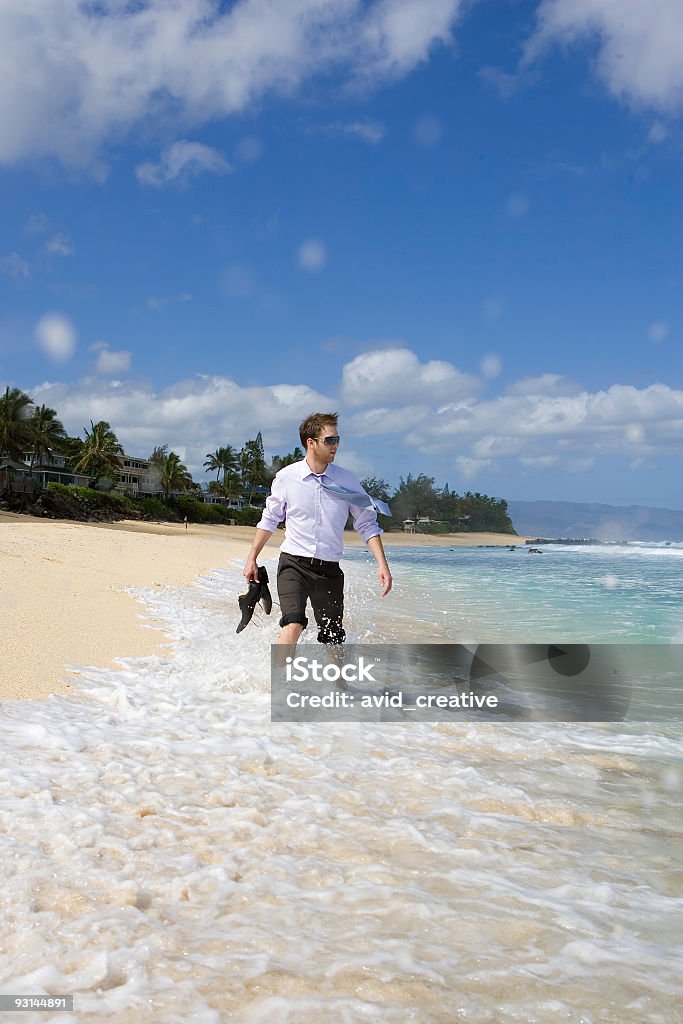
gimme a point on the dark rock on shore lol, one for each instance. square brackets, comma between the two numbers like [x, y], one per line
[55, 505]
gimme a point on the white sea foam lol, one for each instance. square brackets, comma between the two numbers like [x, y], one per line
[171, 855]
[663, 548]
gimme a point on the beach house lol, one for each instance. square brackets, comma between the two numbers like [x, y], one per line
[137, 477]
[33, 475]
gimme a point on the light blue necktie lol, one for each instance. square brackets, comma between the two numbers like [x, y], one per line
[355, 497]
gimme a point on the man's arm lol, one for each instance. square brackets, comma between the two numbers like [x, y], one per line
[365, 522]
[250, 571]
[273, 514]
[383, 573]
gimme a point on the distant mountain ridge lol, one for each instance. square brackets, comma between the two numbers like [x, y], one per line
[603, 522]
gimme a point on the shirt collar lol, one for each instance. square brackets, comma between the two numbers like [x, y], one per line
[306, 470]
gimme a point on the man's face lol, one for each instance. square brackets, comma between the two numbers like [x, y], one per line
[326, 444]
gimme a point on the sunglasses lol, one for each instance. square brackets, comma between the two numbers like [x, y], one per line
[330, 441]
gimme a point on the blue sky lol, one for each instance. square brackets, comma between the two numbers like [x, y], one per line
[459, 224]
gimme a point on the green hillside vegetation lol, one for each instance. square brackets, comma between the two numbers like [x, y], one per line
[421, 505]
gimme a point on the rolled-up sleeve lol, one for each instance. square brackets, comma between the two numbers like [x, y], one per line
[365, 522]
[276, 507]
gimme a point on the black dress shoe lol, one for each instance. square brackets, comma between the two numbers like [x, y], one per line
[265, 598]
[258, 591]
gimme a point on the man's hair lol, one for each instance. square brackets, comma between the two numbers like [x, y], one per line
[316, 422]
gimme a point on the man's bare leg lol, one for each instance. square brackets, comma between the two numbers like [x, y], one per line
[286, 642]
[290, 633]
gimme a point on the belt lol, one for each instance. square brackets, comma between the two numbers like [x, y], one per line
[315, 563]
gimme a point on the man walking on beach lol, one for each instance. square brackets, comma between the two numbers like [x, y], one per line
[316, 498]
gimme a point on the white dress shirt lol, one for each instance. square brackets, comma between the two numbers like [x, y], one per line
[315, 517]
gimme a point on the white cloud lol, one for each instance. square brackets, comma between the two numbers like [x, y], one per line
[399, 34]
[491, 366]
[100, 70]
[192, 415]
[366, 130]
[159, 302]
[640, 43]
[658, 331]
[108, 363]
[471, 468]
[59, 245]
[384, 420]
[395, 375]
[37, 224]
[14, 265]
[527, 431]
[546, 384]
[312, 255]
[527, 423]
[181, 162]
[56, 336]
[508, 84]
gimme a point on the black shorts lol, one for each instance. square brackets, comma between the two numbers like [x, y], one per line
[299, 579]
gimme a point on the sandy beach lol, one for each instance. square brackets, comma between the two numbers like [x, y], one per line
[63, 596]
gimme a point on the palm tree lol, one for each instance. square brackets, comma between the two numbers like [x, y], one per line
[225, 460]
[99, 456]
[72, 449]
[231, 460]
[174, 476]
[16, 435]
[232, 485]
[214, 461]
[279, 462]
[48, 433]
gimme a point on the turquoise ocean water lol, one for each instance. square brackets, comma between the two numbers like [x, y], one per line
[575, 594]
